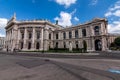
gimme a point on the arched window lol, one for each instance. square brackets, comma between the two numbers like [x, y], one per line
[96, 30]
[98, 45]
[29, 45]
[84, 32]
[37, 45]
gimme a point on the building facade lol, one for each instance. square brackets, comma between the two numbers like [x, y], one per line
[112, 37]
[2, 42]
[43, 35]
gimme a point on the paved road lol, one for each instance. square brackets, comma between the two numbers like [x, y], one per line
[15, 67]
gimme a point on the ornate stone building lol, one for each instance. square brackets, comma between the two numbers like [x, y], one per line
[42, 35]
[2, 42]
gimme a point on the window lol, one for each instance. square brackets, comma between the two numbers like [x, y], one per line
[30, 35]
[38, 34]
[29, 45]
[64, 45]
[57, 36]
[96, 30]
[49, 36]
[22, 34]
[56, 45]
[37, 45]
[70, 35]
[76, 44]
[64, 35]
[76, 33]
[21, 45]
[84, 32]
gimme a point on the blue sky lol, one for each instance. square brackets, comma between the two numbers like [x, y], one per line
[67, 12]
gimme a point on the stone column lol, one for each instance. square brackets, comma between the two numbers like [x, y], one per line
[91, 30]
[18, 38]
[73, 33]
[67, 35]
[41, 43]
[104, 44]
[88, 32]
[46, 39]
[33, 39]
[102, 29]
[13, 39]
[80, 33]
[25, 38]
[92, 44]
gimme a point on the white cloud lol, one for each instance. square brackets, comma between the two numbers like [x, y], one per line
[113, 15]
[3, 22]
[114, 10]
[64, 19]
[2, 35]
[117, 13]
[76, 18]
[108, 14]
[66, 3]
[114, 27]
[93, 2]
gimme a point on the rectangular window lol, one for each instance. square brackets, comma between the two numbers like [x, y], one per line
[57, 36]
[22, 35]
[76, 33]
[64, 35]
[84, 32]
[30, 35]
[50, 36]
[64, 45]
[38, 34]
[70, 35]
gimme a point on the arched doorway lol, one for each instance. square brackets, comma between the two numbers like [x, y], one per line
[84, 45]
[56, 46]
[98, 45]
[29, 45]
[37, 45]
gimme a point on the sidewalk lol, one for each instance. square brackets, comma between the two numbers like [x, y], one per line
[60, 53]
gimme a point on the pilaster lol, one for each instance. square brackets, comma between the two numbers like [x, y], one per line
[42, 38]
[25, 39]
[33, 39]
